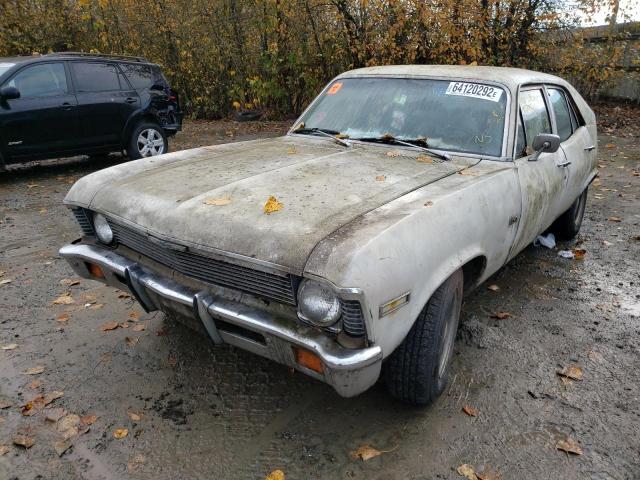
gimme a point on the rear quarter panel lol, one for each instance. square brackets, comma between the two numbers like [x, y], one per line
[416, 242]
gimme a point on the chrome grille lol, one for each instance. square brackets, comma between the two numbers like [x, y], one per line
[83, 217]
[352, 319]
[280, 288]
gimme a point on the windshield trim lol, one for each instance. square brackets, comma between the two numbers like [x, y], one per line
[507, 114]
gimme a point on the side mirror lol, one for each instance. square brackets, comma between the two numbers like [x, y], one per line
[544, 142]
[9, 93]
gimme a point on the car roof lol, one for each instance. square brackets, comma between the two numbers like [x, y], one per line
[74, 56]
[510, 77]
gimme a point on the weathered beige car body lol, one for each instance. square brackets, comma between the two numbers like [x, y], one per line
[377, 227]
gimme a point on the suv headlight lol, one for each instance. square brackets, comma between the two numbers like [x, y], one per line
[102, 228]
[318, 303]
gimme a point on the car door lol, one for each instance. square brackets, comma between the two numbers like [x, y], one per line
[541, 181]
[105, 101]
[577, 146]
[43, 120]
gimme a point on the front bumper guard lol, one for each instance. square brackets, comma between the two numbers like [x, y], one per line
[349, 372]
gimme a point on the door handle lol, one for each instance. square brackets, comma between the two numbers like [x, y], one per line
[563, 165]
[588, 149]
[67, 106]
[130, 100]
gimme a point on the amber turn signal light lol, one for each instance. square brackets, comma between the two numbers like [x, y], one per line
[308, 360]
[95, 270]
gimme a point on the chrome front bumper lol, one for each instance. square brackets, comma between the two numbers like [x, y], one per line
[348, 371]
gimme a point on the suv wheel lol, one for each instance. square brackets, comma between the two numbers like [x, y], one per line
[147, 140]
[417, 371]
[567, 226]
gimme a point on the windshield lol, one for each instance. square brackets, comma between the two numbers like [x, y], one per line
[4, 67]
[449, 115]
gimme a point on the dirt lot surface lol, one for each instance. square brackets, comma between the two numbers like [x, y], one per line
[185, 409]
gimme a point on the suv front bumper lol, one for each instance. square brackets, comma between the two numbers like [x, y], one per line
[348, 371]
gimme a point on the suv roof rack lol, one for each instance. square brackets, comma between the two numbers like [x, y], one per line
[102, 55]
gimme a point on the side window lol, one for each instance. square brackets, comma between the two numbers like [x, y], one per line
[140, 76]
[44, 80]
[534, 115]
[561, 112]
[521, 140]
[95, 77]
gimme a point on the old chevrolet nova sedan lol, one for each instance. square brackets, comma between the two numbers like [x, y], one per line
[344, 248]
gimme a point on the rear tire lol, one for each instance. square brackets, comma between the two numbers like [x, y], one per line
[417, 371]
[147, 140]
[567, 225]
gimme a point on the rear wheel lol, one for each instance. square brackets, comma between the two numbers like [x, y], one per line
[147, 140]
[417, 371]
[567, 225]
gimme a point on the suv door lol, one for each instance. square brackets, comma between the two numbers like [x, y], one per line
[105, 101]
[541, 181]
[43, 120]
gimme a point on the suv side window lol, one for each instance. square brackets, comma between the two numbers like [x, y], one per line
[140, 76]
[561, 112]
[95, 77]
[44, 80]
[534, 115]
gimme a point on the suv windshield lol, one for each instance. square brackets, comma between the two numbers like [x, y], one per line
[448, 115]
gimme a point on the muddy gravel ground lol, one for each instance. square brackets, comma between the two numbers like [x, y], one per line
[194, 411]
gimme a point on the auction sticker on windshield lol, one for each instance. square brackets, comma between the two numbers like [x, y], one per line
[475, 90]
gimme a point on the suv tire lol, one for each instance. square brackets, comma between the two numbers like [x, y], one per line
[417, 371]
[567, 225]
[147, 140]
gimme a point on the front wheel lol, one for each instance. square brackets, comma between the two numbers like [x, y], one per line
[147, 140]
[417, 371]
[567, 226]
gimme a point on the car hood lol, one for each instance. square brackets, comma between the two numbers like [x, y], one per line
[214, 197]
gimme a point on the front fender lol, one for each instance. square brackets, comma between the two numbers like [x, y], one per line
[416, 242]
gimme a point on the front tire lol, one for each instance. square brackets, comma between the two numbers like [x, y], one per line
[417, 371]
[147, 140]
[567, 225]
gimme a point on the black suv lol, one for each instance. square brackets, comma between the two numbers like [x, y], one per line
[66, 104]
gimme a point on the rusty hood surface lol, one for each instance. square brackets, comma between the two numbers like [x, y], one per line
[322, 186]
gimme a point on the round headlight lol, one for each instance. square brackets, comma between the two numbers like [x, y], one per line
[102, 228]
[318, 303]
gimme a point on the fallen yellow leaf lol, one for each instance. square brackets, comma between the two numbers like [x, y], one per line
[469, 410]
[367, 452]
[140, 327]
[381, 178]
[501, 315]
[272, 205]
[64, 299]
[569, 445]
[135, 417]
[88, 419]
[131, 341]
[579, 253]
[467, 472]
[24, 441]
[292, 151]
[573, 372]
[275, 475]
[120, 433]
[109, 326]
[218, 202]
[10, 346]
[393, 153]
[34, 370]
[493, 288]
[424, 159]
[63, 317]
[614, 219]
[3, 450]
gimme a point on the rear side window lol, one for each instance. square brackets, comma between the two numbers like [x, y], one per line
[44, 80]
[561, 112]
[95, 77]
[534, 114]
[140, 76]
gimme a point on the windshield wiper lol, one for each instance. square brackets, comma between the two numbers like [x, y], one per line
[323, 131]
[420, 143]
